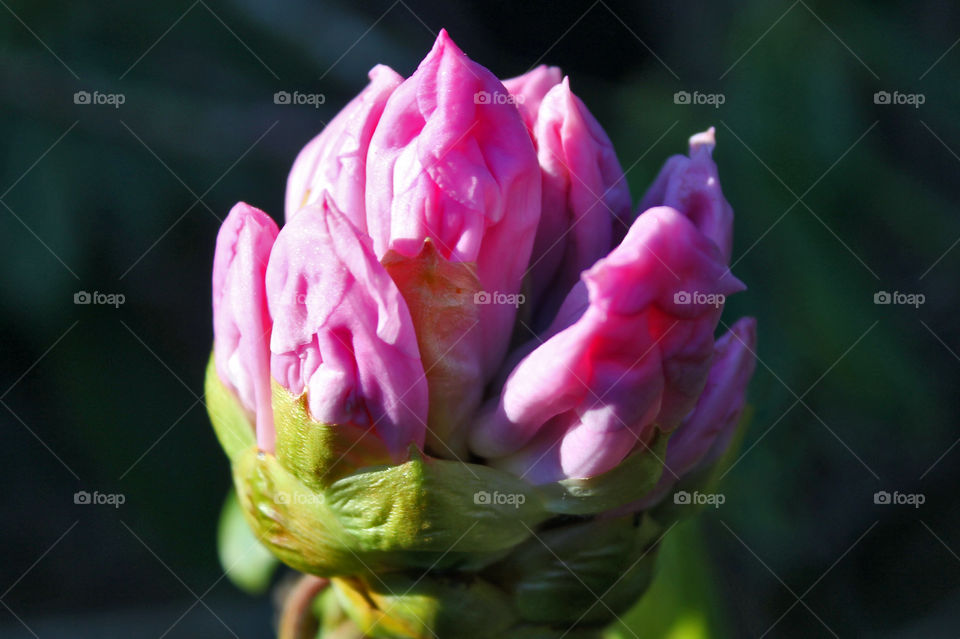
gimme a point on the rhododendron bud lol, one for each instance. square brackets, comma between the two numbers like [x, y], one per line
[336, 160]
[450, 163]
[584, 196]
[692, 186]
[529, 89]
[342, 332]
[581, 401]
[381, 436]
[241, 321]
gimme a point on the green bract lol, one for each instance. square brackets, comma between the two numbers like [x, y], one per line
[432, 547]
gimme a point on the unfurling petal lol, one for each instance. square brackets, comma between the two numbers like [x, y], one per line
[450, 163]
[581, 401]
[342, 331]
[585, 196]
[692, 186]
[336, 160]
[241, 320]
[529, 90]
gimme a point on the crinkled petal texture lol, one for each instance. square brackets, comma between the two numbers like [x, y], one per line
[336, 160]
[584, 196]
[529, 90]
[691, 185]
[342, 332]
[241, 319]
[461, 171]
[596, 388]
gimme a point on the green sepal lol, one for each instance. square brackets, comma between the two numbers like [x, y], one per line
[436, 506]
[423, 513]
[244, 559]
[232, 423]
[402, 606]
[289, 519]
[633, 478]
[317, 453]
[582, 573]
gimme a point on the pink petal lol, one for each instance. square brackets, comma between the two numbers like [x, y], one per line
[342, 331]
[335, 161]
[241, 320]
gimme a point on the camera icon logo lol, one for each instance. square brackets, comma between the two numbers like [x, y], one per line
[481, 97]
[283, 498]
[881, 497]
[681, 97]
[681, 297]
[482, 498]
[881, 97]
[82, 297]
[681, 497]
[882, 297]
[81, 497]
[81, 97]
[481, 297]
[281, 97]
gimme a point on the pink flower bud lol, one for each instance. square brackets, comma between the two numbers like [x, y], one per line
[584, 196]
[450, 160]
[692, 186]
[336, 160]
[529, 89]
[241, 321]
[342, 332]
[596, 388]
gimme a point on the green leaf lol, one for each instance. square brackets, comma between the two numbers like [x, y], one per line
[244, 559]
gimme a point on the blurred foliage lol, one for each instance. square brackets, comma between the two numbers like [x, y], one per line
[850, 397]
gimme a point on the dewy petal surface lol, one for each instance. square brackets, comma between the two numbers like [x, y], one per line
[335, 161]
[342, 331]
[600, 385]
[459, 169]
[241, 319]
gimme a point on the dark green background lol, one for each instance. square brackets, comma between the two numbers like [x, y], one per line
[97, 398]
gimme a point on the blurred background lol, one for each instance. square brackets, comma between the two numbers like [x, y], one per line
[840, 193]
